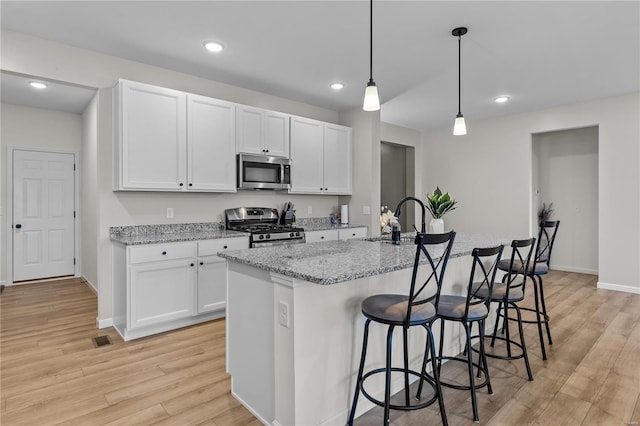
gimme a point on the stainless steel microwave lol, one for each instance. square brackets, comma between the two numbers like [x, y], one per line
[263, 172]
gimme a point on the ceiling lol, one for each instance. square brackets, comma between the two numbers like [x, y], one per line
[541, 53]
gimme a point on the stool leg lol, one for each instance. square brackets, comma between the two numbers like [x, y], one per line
[360, 372]
[483, 357]
[495, 326]
[440, 346]
[472, 386]
[428, 348]
[524, 347]
[535, 294]
[436, 376]
[406, 364]
[544, 309]
[506, 326]
[387, 386]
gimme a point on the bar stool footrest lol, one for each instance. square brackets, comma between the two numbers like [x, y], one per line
[496, 356]
[419, 406]
[479, 385]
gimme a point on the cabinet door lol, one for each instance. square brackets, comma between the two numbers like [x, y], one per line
[251, 130]
[211, 149]
[337, 159]
[276, 134]
[152, 137]
[212, 284]
[160, 292]
[306, 156]
[317, 236]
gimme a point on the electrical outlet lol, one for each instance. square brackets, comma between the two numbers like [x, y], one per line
[169, 212]
[309, 210]
[283, 314]
[366, 210]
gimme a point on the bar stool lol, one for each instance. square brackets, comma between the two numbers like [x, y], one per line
[507, 294]
[414, 309]
[546, 238]
[467, 310]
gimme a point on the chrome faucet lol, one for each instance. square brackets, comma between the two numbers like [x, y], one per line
[424, 211]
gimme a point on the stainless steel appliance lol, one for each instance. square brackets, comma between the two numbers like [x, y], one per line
[263, 172]
[262, 223]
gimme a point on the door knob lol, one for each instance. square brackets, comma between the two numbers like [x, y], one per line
[18, 226]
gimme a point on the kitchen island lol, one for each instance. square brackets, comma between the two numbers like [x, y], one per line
[295, 329]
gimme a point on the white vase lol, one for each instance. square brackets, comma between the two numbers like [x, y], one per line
[436, 226]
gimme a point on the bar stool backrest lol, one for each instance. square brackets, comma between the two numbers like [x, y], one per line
[427, 246]
[546, 238]
[485, 265]
[521, 254]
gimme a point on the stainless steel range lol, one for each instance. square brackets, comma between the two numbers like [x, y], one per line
[262, 223]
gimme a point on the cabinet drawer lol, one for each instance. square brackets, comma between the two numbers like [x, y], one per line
[160, 252]
[347, 234]
[317, 236]
[212, 247]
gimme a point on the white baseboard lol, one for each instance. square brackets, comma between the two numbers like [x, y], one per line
[91, 286]
[619, 287]
[573, 269]
[252, 411]
[3, 283]
[104, 323]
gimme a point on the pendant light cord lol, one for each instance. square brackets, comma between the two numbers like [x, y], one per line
[370, 40]
[459, 72]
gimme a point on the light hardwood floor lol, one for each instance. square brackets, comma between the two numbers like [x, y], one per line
[51, 373]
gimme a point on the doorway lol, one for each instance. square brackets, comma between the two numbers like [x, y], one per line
[397, 180]
[565, 173]
[42, 199]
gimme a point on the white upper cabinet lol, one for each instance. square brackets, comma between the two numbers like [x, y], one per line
[169, 140]
[320, 157]
[337, 159]
[152, 137]
[263, 132]
[211, 153]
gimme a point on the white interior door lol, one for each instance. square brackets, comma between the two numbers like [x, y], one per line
[43, 215]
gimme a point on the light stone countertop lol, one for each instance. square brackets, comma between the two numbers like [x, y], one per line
[333, 262]
[170, 233]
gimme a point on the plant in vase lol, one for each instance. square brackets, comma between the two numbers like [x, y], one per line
[439, 204]
[387, 220]
[545, 212]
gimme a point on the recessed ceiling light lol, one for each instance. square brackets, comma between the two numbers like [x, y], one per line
[213, 46]
[37, 85]
[502, 99]
[337, 86]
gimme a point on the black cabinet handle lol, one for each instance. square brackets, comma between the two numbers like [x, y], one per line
[326, 189]
[353, 235]
[18, 226]
[192, 264]
[201, 263]
[181, 184]
[225, 247]
[190, 184]
[267, 150]
[164, 253]
[322, 238]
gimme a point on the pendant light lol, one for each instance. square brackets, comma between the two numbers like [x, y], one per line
[459, 127]
[371, 100]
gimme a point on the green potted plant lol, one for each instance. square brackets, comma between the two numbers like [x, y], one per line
[439, 204]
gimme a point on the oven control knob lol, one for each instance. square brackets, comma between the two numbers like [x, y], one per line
[297, 234]
[292, 234]
[261, 237]
[268, 236]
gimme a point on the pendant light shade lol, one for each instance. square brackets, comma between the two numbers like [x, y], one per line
[459, 126]
[371, 99]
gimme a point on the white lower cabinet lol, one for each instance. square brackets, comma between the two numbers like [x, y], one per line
[161, 291]
[160, 287]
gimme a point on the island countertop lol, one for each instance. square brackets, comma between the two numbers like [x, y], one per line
[334, 262]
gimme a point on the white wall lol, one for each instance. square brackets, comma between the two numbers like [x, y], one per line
[489, 172]
[89, 206]
[567, 171]
[35, 128]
